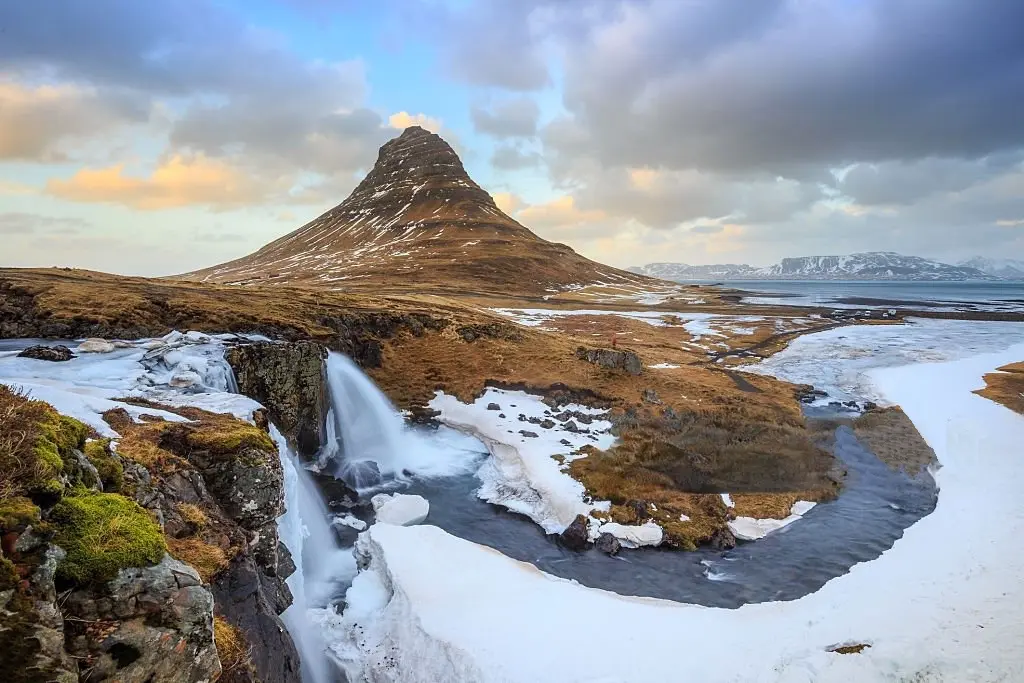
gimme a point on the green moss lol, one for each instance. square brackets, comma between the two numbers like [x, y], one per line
[17, 513]
[106, 463]
[103, 533]
[8, 575]
[56, 437]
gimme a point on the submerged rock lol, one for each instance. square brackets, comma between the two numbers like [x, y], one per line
[400, 509]
[577, 535]
[54, 354]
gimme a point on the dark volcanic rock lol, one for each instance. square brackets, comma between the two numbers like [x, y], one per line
[51, 353]
[547, 424]
[493, 406]
[612, 359]
[576, 535]
[608, 544]
[722, 539]
[336, 492]
[531, 435]
[289, 380]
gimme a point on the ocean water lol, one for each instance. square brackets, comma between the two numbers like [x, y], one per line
[938, 296]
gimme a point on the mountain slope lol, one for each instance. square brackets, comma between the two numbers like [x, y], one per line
[1006, 268]
[417, 220]
[873, 265]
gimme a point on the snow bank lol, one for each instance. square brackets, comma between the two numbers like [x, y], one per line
[753, 529]
[647, 534]
[521, 474]
[941, 605]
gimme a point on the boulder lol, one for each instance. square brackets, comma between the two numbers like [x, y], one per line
[650, 396]
[95, 345]
[287, 378]
[722, 539]
[608, 544]
[547, 424]
[528, 434]
[51, 353]
[612, 359]
[577, 535]
[159, 626]
[400, 509]
[493, 406]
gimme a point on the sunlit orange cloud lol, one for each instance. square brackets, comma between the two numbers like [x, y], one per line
[403, 119]
[179, 181]
[559, 213]
[508, 202]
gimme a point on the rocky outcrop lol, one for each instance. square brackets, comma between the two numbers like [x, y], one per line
[612, 359]
[289, 380]
[576, 536]
[54, 354]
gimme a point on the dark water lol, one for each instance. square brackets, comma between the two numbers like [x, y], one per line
[876, 505]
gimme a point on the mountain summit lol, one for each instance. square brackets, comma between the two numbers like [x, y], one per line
[417, 220]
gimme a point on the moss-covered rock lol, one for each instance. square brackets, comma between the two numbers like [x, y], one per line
[103, 533]
[17, 513]
[108, 465]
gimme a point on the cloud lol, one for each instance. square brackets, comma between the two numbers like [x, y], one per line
[510, 118]
[559, 215]
[511, 158]
[403, 120]
[17, 223]
[37, 122]
[508, 202]
[177, 182]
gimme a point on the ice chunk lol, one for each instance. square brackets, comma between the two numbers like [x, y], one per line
[400, 509]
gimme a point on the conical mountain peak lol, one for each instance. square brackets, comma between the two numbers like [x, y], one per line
[416, 219]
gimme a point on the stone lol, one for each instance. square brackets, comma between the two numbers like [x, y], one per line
[650, 396]
[53, 354]
[577, 535]
[571, 426]
[493, 406]
[288, 379]
[565, 442]
[400, 509]
[608, 544]
[722, 539]
[336, 493]
[95, 345]
[612, 359]
[547, 424]
[528, 434]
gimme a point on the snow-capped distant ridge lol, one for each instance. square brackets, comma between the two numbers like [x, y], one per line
[1005, 268]
[872, 265]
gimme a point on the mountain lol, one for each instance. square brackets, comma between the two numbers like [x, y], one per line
[872, 265]
[1006, 268]
[417, 221]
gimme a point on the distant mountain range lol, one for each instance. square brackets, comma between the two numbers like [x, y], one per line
[873, 265]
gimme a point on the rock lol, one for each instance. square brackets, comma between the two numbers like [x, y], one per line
[159, 626]
[608, 544]
[722, 539]
[336, 493]
[650, 396]
[534, 420]
[565, 442]
[252, 601]
[289, 380]
[501, 415]
[423, 415]
[95, 345]
[400, 509]
[612, 359]
[54, 354]
[528, 434]
[571, 426]
[522, 418]
[493, 406]
[577, 535]
[639, 509]
[547, 424]
[869, 406]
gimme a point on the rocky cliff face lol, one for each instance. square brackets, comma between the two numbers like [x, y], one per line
[289, 380]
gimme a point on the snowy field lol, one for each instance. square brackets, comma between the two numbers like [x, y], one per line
[941, 605]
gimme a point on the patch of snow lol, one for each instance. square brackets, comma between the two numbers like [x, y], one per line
[95, 345]
[663, 366]
[647, 534]
[727, 499]
[400, 509]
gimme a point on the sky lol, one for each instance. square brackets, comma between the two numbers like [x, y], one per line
[152, 138]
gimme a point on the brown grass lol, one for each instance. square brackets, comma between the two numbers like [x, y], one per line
[893, 438]
[1006, 387]
[193, 514]
[208, 559]
[232, 647]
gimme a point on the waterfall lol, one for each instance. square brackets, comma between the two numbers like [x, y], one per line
[322, 568]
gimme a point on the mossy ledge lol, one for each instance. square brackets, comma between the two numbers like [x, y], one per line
[103, 533]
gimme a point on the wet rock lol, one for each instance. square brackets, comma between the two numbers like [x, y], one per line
[493, 406]
[424, 415]
[252, 601]
[810, 395]
[547, 424]
[722, 539]
[577, 535]
[650, 396]
[54, 354]
[528, 434]
[608, 544]
[289, 380]
[612, 359]
[159, 626]
[337, 494]
[95, 345]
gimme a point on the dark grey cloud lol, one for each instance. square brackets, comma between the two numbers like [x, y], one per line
[512, 158]
[510, 118]
[19, 223]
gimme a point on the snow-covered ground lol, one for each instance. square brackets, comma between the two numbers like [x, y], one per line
[521, 474]
[942, 605]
